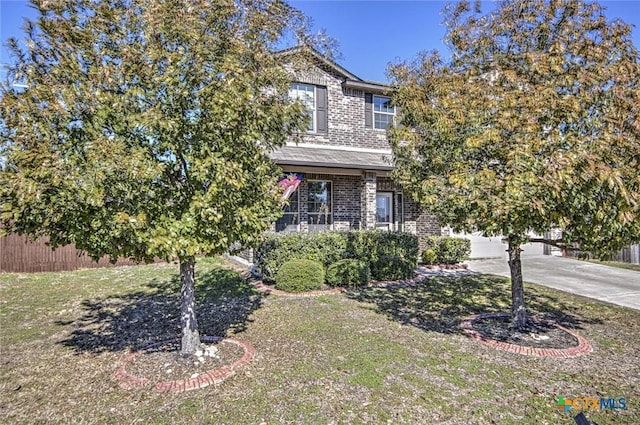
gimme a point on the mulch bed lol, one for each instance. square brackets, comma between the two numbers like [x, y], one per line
[161, 366]
[541, 334]
[544, 338]
[458, 266]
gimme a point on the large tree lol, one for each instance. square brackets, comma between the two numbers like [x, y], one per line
[532, 123]
[145, 126]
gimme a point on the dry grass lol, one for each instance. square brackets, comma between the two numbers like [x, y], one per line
[376, 355]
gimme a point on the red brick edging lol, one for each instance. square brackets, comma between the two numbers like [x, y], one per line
[213, 377]
[417, 278]
[458, 266]
[270, 290]
[339, 290]
[583, 347]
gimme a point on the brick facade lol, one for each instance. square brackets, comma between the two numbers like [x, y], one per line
[354, 204]
[354, 190]
[368, 200]
[345, 200]
[346, 108]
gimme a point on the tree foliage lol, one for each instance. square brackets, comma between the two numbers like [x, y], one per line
[533, 123]
[145, 127]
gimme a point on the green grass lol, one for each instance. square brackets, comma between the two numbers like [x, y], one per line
[617, 264]
[372, 355]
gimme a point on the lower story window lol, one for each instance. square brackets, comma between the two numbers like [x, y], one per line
[290, 219]
[319, 206]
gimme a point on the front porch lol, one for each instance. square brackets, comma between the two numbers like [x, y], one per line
[347, 188]
[344, 189]
[351, 200]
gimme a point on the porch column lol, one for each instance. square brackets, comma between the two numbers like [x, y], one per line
[368, 200]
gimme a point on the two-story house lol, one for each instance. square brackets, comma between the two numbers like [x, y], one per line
[344, 160]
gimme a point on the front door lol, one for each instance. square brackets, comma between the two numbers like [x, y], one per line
[384, 210]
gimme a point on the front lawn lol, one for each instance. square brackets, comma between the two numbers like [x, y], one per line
[374, 355]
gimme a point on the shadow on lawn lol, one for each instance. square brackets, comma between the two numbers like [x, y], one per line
[440, 303]
[224, 303]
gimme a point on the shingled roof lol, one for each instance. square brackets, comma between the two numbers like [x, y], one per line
[330, 157]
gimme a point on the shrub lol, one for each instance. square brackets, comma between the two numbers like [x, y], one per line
[429, 256]
[393, 267]
[448, 250]
[374, 248]
[300, 276]
[348, 273]
[275, 250]
[390, 255]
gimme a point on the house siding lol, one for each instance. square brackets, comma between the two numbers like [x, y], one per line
[350, 196]
[420, 222]
[346, 198]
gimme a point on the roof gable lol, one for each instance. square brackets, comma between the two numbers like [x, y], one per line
[320, 59]
[350, 80]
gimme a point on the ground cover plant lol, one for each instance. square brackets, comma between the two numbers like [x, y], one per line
[371, 355]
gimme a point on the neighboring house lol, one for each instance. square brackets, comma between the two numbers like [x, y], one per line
[344, 159]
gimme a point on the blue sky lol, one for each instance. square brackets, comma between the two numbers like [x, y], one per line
[371, 34]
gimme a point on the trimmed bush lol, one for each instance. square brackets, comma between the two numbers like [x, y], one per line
[349, 273]
[300, 276]
[372, 247]
[393, 267]
[447, 250]
[275, 250]
[429, 256]
[390, 255]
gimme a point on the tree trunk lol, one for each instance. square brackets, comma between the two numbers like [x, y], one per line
[188, 320]
[518, 310]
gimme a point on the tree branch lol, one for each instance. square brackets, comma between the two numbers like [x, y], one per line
[558, 243]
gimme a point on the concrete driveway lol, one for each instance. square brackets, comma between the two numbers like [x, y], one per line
[611, 284]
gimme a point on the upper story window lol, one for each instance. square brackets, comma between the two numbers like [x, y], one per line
[314, 98]
[383, 112]
[306, 94]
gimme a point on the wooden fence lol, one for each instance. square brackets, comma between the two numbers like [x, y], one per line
[17, 254]
[629, 254]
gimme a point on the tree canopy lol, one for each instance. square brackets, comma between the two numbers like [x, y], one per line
[145, 127]
[533, 123]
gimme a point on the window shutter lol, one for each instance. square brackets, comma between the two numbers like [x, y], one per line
[322, 115]
[368, 110]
